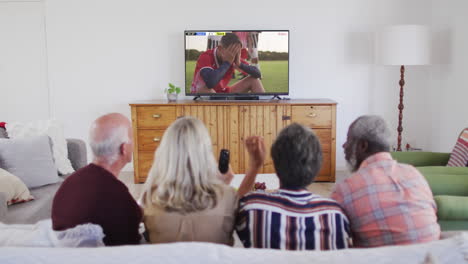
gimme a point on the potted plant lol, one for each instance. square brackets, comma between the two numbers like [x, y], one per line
[172, 92]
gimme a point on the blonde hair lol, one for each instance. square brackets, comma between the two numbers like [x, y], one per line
[183, 177]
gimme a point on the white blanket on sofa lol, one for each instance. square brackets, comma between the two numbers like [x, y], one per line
[41, 234]
[452, 250]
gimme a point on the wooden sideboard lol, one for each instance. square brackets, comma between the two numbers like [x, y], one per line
[229, 123]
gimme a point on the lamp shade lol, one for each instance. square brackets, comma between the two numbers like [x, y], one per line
[403, 45]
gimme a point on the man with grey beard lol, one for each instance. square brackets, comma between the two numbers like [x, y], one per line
[387, 203]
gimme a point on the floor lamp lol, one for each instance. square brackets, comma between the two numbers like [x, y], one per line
[403, 45]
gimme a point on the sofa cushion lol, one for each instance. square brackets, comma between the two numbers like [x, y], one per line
[459, 156]
[3, 133]
[446, 180]
[34, 211]
[452, 250]
[420, 158]
[51, 128]
[30, 159]
[452, 207]
[14, 189]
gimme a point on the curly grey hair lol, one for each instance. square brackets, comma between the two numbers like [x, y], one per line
[374, 130]
[297, 156]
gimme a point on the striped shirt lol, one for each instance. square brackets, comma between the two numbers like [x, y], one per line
[293, 220]
[388, 203]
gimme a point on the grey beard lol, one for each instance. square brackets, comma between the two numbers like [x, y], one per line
[351, 164]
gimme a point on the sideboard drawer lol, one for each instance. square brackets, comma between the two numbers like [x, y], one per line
[312, 116]
[155, 117]
[149, 139]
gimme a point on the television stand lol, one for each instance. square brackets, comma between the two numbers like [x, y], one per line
[230, 122]
[277, 97]
[197, 97]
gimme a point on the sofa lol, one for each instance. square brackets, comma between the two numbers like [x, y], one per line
[449, 186]
[450, 250]
[40, 208]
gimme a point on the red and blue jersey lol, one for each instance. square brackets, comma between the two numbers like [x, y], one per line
[209, 60]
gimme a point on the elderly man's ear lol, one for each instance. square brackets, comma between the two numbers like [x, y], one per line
[126, 149]
[362, 146]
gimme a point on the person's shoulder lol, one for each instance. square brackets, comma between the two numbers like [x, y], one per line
[207, 54]
[258, 196]
[329, 205]
[409, 171]
[320, 200]
[84, 170]
[81, 175]
[349, 180]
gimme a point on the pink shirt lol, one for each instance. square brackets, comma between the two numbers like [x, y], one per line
[388, 203]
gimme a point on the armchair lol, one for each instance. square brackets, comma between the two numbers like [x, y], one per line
[449, 186]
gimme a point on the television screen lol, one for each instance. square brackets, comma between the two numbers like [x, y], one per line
[237, 62]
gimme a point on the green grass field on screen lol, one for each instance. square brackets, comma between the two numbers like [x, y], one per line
[274, 76]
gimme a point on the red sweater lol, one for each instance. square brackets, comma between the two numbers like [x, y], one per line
[94, 195]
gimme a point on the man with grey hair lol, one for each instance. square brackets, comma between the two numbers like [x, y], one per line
[293, 218]
[93, 194]
[387, 203]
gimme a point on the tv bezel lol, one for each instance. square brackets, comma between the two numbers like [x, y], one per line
[231, 94]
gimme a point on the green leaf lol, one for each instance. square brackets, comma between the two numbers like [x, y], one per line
[172, 85]
[177, 89]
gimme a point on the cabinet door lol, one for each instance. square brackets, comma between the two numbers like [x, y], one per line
[265, 121]
[222, 124]
[321, 118]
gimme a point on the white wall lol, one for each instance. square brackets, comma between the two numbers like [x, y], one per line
[23, 63]
[104, 54]
[449, 82]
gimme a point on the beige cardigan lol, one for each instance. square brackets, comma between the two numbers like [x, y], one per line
[210, 225]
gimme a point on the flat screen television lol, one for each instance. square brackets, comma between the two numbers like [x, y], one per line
[229, 63]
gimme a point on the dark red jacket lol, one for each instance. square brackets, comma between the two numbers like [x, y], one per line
[94, 195]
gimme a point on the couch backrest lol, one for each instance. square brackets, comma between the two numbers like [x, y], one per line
[3, 133]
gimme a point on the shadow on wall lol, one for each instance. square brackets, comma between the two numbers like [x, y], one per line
[359, 48]
[442, 47]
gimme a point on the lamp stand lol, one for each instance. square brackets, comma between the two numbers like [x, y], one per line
[401, 106]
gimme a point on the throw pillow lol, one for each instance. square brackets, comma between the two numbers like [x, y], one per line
[51, 128]
[451, 207]
[13, 188]
[459, 155]
[30, 159]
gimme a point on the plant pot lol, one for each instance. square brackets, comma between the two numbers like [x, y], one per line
[172, 97]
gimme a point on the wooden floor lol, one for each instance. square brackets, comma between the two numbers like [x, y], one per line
[321, 188]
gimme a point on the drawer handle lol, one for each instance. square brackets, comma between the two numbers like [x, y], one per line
[157, 116]
[312, 115]
[156, 139]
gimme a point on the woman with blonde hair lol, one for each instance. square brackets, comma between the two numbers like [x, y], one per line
[185, 197]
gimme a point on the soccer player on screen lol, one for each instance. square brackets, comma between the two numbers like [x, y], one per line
[215, 67]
